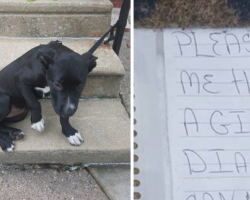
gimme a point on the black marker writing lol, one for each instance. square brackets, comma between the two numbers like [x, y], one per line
[236, 81]
[190, 79]
[208, 82]
[221, 197]
[182, 43]
[215, 42]
[192, 154]
[189, 112]
[234, 43]
[191, 197]
[196, 48]
[207, 196]
[247, 196]
[220, 132]
[244, 38]
[240, 162]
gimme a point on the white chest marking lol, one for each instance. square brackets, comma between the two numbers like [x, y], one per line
[72, 106]
[45, 90]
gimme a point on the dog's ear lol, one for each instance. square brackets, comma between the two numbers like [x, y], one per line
[46, 57]
[91, 60]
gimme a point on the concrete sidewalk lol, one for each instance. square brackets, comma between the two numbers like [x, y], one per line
[48, 184]
[114, 180]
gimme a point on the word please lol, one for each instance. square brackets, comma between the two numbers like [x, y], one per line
[217, 43]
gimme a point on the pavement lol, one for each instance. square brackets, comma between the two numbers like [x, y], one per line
[48, 184]
[36, 183]
[114, 180]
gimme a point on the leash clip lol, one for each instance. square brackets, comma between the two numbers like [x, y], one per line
[111, 36]
[99, 42]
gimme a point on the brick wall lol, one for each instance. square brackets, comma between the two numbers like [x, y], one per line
[117, 3]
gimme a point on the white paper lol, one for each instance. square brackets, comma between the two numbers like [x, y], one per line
[150, 114]
[208, 110]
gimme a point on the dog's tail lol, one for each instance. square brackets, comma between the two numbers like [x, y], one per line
[99, 42]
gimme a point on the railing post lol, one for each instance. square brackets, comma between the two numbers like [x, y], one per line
[121, 25]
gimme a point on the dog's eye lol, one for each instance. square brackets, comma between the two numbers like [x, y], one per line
[80, 87]
[58, 86]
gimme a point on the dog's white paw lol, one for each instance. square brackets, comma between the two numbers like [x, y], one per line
[10, 149]
[76, 139]
[39, 126]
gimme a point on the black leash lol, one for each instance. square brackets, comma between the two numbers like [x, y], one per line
[99, 42]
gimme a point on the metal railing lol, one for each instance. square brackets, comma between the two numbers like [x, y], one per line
[121, 25]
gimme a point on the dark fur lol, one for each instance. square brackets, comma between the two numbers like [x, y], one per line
[42, 66]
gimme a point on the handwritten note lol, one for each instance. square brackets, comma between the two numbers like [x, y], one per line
[208, 106]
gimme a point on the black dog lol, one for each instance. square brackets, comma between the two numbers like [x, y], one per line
[46, 69]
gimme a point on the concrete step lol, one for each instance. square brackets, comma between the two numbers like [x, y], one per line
[103, 124]
[48, 18]
[103, 81]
